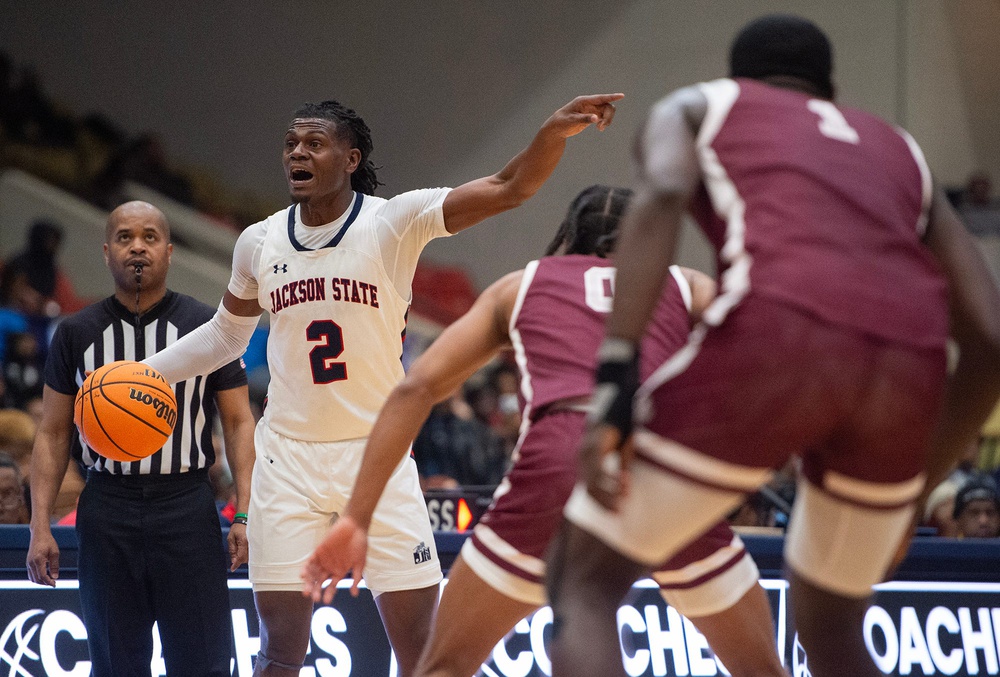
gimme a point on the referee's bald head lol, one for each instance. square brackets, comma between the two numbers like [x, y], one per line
[137, 209]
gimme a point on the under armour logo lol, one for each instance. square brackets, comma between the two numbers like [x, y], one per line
[283, 266]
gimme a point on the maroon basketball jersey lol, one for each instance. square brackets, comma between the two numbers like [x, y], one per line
[558, 325]
[820, 207]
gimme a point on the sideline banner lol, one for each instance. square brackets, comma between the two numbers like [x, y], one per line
[913, 628]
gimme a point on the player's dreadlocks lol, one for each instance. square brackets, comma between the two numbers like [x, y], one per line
[351, 127]
[591, 224]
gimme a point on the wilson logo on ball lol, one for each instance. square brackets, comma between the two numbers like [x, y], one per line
[162, 408]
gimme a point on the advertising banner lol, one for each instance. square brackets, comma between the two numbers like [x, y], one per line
[930, 628]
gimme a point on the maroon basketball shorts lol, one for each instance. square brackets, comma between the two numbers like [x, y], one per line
[740, 400]
[507, 548]
[773, 381]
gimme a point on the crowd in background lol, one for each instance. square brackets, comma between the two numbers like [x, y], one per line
[93, 157]
[468, 439]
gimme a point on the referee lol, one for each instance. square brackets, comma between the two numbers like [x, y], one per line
[149, 535]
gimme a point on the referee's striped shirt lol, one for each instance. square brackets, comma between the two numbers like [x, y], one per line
[107, 331]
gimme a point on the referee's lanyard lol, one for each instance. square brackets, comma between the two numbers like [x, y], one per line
[138, 328]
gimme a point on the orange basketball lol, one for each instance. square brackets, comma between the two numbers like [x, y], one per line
[125, 411]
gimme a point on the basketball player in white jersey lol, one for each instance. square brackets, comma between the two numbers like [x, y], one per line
[334, 270]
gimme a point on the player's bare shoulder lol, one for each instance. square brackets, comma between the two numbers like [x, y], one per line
[502, 295]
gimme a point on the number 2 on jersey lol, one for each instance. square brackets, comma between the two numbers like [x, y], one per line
[324, 369]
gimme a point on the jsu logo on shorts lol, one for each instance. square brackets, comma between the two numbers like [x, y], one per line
[421, 553]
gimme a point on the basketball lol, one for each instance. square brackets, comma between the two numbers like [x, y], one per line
[125, 411]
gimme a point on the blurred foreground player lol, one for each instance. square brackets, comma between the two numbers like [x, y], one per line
[552, 313]
[335, 271]
[827, 340]
[151, 547]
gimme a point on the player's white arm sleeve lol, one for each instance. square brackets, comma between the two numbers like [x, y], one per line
[220, 340]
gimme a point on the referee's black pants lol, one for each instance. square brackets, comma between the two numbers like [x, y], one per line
[151, 551]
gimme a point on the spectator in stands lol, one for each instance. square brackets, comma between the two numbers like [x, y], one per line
[18, 299]
[32, 117]
[496, 403]
[12, 322]
[5, 401]
[13, 505]
[455, 448]
[6, 91]
[38, 259]
[939, 509]
[38, 263]
[978, 209]
[977, 508]
[17, 295]
[143, 161]
[17, 436]
[22, 371]
[98, 140]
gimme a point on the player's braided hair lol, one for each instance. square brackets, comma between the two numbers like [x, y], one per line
[351, 127]
[591, 224]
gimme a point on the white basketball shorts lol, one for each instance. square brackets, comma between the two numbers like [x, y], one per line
[299, 488]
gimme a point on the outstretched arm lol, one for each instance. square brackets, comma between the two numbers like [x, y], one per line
[463, 348]
[477, 200]
[220, 340]
[226, 336]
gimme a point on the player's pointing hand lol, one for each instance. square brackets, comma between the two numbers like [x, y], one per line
[583, 111]
[343, 550]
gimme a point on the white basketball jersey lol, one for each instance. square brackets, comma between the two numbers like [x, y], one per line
[337, 319]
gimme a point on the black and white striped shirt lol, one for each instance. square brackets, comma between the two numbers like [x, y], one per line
[105, 332]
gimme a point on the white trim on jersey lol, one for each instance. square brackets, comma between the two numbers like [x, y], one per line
[721, 95]
[872, 493]
[505, 582]
[726, 201]
[676, 364]
[716, 594]
[927, 183]
[699, 568]
[682, 283]
[521, 358]
[701, 467]
[515, 338]
[508, 552]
